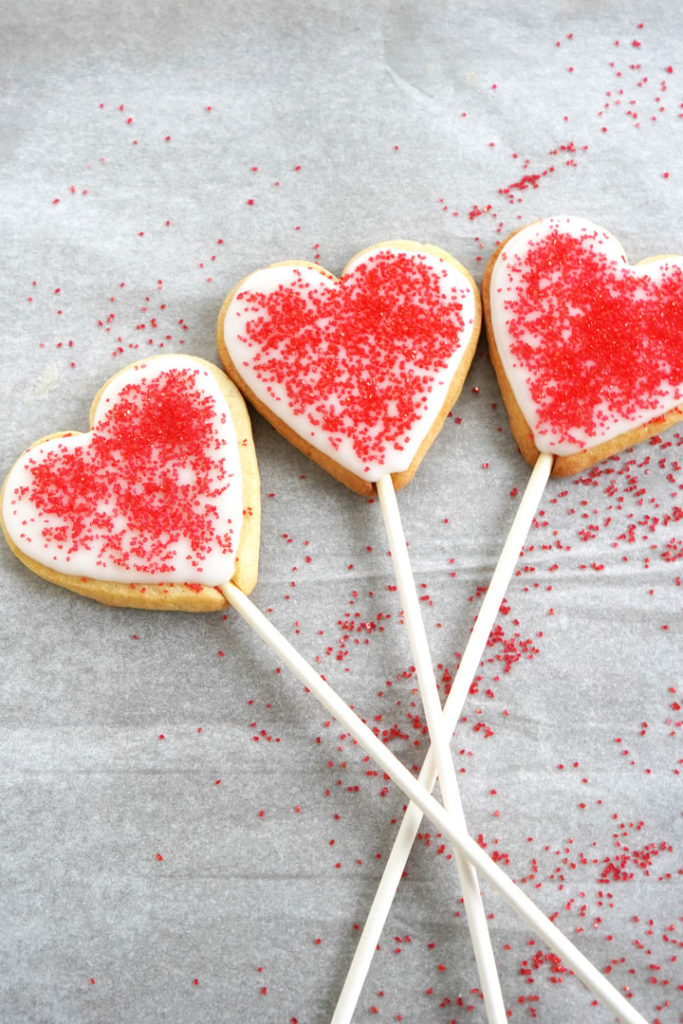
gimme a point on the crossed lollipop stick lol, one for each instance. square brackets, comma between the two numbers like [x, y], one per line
[419, 790]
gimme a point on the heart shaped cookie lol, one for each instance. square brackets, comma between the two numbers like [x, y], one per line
[588, 349]
[156, 505]
[358, 372]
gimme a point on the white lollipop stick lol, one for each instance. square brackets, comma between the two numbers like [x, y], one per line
[388, 762]
[448, 784]
[469, 663]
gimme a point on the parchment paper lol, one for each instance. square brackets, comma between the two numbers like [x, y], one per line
[185, 835]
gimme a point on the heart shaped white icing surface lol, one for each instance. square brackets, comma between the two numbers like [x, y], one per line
[152, 493]
[591, 346]
[358, 367]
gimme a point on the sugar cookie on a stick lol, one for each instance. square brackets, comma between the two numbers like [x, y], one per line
[558, 296]
[588, 349]
[154, 506]
[142, 462]
[359, 373]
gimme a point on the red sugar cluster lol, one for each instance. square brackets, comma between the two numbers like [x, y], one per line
[640, 93]
[358, 358]
[151, 473]
[617, 335]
